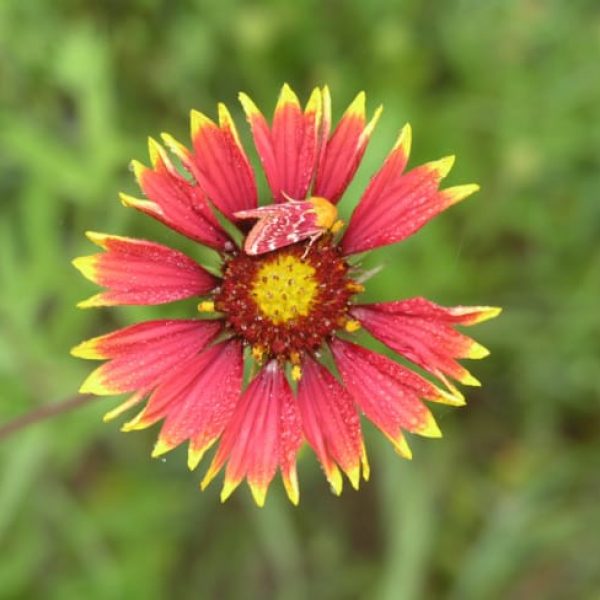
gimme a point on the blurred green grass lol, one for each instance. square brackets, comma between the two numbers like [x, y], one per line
[506, 505]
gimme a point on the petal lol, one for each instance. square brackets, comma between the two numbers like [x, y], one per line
[132, 401]
[220, 165]
[388, 393]
[140, 272]
[174, 201]
[196, 400]
[263, 433]
[140, 355]
[424, 333]
[288, 151]
[325, 125]
[344, 150]
[331, 424]
[396, 204]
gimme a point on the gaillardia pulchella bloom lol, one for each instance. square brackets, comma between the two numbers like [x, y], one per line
[284, 299]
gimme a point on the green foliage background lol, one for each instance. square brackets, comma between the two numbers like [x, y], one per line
[506, 504]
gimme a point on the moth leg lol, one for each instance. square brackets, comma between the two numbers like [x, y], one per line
[290, 199]
[313, 238]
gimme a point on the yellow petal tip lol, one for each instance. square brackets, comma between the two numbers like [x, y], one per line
[136, 423]
[88, 350]
[368, 130]
[469, 379]
[460, 192]
[94, 384]
[486, 313]
[198, 121]
[442, 166]
[124, 406]
[401, 447]
[358, 105]
[404, 141]
[86, 265]
[228, 488]
[259, 494]
[155, 151]
[287, 96]
[453, 398]
[129, 426]
[131, 201]
[138, 169]
[335, 480]
[429, 428]
[97, 238]
[290, 483]
[366, 468]
[212, 472]
[248, 105]
[161, 447]
[176, 147]
[111, 415]
[315, 101]
[93, 302]
[477, 351]
[354, 476]
[224, 114]
[194, 457]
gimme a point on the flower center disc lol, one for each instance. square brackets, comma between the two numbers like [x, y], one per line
[289, 301]
[284, 288]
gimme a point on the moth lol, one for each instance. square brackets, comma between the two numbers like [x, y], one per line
[281, 225]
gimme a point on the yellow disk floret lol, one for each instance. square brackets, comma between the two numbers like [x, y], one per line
[351, 325]
[284, 288]
[206, 306]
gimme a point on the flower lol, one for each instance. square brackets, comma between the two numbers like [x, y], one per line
[284, 303]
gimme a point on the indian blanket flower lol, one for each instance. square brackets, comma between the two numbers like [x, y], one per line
[283, 303]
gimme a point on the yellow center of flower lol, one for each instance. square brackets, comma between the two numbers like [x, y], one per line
[284, 288]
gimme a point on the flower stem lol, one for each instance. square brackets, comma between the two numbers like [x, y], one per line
[42, 413]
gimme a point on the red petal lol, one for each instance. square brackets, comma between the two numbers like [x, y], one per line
[423, 332]
[141, 272]
[330, 423]
[196, 400]
[395, 205]
[288, 151]
[140, 355]
[264, 432]
[220, 165]
[388, 393]
[174, 201]
[344, 150]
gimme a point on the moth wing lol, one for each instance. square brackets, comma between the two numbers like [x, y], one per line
[279, 230]
[292, 208]
[257, 213]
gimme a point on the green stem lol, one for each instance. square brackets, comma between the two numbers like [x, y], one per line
[41, 414]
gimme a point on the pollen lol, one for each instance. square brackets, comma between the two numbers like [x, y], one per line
[206, 306]
[351, 326]
[284, 288]
[258, 353]
[296, 372]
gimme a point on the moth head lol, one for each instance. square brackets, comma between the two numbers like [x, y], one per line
[326, 212]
